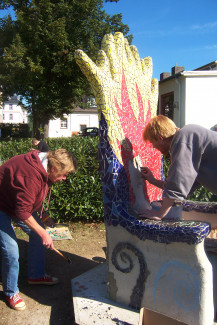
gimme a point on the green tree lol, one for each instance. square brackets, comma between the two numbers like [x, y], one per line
[37, 59]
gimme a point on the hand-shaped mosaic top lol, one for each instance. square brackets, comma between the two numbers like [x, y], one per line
[127, 96]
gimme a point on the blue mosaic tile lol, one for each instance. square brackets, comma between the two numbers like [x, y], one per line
[207, 207]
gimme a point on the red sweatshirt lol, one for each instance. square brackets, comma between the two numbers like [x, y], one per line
[23, 185]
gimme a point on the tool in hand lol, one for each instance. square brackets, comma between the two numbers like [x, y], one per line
[66, 258]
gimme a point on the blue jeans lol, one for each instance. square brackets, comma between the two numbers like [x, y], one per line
[10, 253]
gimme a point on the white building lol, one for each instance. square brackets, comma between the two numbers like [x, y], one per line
[72, 123]
[190, 97]
[12, 112]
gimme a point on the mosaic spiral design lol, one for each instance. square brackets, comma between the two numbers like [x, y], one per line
[120, 254]
[178, 281]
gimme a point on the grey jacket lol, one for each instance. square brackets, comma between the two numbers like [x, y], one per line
[193, 158]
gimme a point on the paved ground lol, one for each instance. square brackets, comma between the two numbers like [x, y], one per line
[53, 305]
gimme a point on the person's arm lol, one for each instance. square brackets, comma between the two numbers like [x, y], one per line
[167, 203]
[45, 237]
[148, 176]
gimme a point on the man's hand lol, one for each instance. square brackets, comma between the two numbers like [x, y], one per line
[147, 174]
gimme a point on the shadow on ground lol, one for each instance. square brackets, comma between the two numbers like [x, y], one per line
[47, 304]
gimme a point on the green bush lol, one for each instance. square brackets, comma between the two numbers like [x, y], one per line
[15, 130]
[80, 196]
[13, 147]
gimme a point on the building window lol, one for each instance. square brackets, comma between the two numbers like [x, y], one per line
[64, 124]
[10, 107]
[167, 105]
[83, 126]
[10, 117]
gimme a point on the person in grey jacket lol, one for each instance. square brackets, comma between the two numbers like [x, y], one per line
[193, 154]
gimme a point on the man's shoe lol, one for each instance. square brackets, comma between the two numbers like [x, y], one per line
[15, 302]
[47, 280]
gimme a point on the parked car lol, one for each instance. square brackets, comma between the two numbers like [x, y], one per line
[92, 132]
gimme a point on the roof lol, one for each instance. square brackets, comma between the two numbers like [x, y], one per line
[210, 69]
[12, 100]
[198, 73]
[85, 110]
[208, 66]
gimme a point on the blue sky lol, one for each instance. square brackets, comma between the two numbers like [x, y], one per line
[172, 32]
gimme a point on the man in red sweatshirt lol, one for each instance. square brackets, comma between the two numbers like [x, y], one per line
[24, 184]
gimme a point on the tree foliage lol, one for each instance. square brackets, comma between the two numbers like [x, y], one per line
[37, 51]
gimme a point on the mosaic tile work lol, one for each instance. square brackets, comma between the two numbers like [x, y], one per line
[207, 207]
[116, 203]
[120, 252]
[126, 97]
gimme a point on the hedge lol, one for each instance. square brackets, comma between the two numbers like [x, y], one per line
[79, 198]
[15, 130]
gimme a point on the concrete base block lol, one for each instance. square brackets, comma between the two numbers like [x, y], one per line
[92, 305]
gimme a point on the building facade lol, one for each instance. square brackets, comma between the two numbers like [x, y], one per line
[73, 123]
[12, 112]
[190, 97]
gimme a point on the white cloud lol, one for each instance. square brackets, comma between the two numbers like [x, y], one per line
[198, 48]
[205, 27]
[210, 47]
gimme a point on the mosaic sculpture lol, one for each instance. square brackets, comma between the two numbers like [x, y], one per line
[151, 264]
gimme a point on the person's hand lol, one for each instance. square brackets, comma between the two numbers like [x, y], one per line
[147, 174]
[150, 214]
[47, 240]
[127, 95]
[50, 223]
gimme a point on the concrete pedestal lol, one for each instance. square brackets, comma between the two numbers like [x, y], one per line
[92, 305]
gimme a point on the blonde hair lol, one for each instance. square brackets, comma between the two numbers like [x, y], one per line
[34, 140]
[63, 161]
[159, 126]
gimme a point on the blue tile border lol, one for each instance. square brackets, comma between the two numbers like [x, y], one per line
[207, 207]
